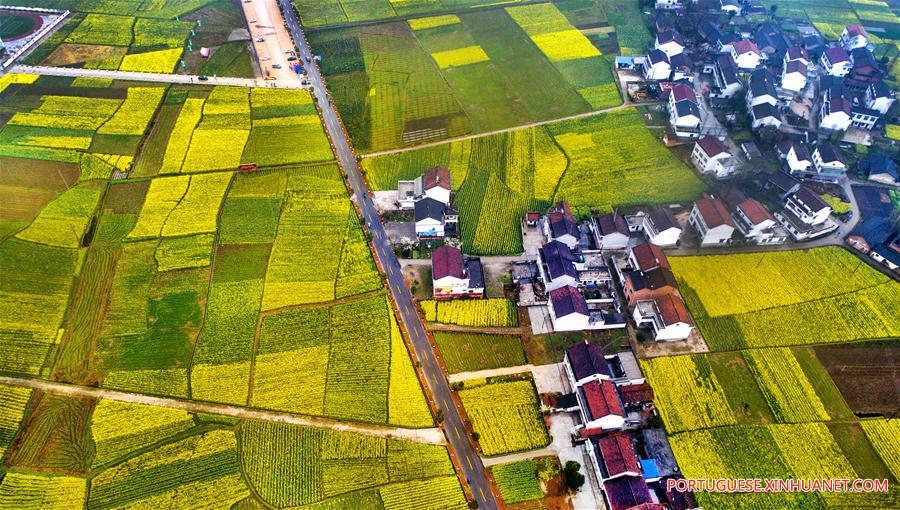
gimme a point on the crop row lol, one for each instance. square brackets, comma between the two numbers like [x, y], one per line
[495, 312]
[119, 428]
[785, 386]
[506, 416]
[885, 437]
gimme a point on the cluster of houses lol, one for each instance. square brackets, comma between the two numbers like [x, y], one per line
[428, 196]
[795, 86]
[631, 462]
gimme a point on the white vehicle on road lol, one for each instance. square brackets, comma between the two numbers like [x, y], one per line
[259, 39]
[266, 58]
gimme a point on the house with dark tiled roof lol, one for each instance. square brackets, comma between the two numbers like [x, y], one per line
[727, 75]
[880, 168]
[745, 54]
[878, 237]
[610, 231]
[783, 182]
[795, 155]
[455, 275]
[657, 66]
[771, 42]
[600, 407]
[568, 310]
[557, 265]
[435, 184]
[829, 162]
[661, 228]
[836, 109]
[879, 97]
[805, 215]
[711, 221]
[682, 67]
[684, 111]
[434, 219]
[629, 492]
[645, 274]
[836, 61]
[560, 225]
[585, 362]
[669, 42]
[793, 76]
[757, 224]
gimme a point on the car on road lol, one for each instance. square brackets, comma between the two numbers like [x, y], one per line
[307, 58]
[276, 66]
[292, 58]
[251, 21]
[259, 39]
[266, 58]
[203, 78]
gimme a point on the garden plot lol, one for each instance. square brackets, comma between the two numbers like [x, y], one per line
[788, 298]
[402, 83]
[496, 312]
[500, 177]
[126, 35]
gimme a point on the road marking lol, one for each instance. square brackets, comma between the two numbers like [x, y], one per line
[469, 461]
[481, 491]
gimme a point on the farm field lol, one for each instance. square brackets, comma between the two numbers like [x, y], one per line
[866, 374]
[465, 352]
[505, 415]
[160, 457]
[492, 312]
[401, 83]
[822, 295]
[521, 481]
[318, 13]
[604, 162]
[135, 36]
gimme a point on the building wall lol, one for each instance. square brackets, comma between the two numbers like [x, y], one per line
[674, 332]
[717, 236]
[439, 194]
[429, 228]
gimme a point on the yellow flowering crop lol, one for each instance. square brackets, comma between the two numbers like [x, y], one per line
[506, 416]
[180, 138]
[565, 45]
[198, 209]
[785, 386]
[8, 79]
[433, 22]
[406, 402]
[26, 492]
[885, 438]
[460, 57]
[135, 113]
[63, 221]
[13, 401]
[163, 195]
[215, 149]
[472, 312]
[119, 428]
[160, 61]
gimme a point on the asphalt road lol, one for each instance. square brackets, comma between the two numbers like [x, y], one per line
[457, 437]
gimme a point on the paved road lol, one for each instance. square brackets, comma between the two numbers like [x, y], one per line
[154, 77]
[268, 23]
[468, 458]
[428, 436]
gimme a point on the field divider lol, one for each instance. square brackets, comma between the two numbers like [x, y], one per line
[432, 435]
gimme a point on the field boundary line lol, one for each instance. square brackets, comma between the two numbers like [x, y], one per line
[433, 435]
[539, 123]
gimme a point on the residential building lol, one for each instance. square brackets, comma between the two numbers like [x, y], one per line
[600, 406]
[805, 215]
[864, 118]
[646, 257]
[712, 156]
[784, 183]
[611, 231]
[798, 54]
[669, 42]
[435, 184]
[630, 492]
[665, 316]
[879, 168]
[568, 310]
[836, 61]
[761, 89]
[853, 37]
[878, 238]
[726, 75]
[879, 97]
[757, 224]
[656, 66]
[560, 225]
[829, 162]
[434, 219]
[765, 115]
[730, 7]
[669, 5]
[585, 362]
[746, 55]
[836, 109]
[615, 455]
[864, 68]
[710, 219]
[645, 274]
[684, 111]
[455, 275]
[557, 265]
[795, 156]
[771, 42]
[682, 67]
[661, 227]
[793, 76]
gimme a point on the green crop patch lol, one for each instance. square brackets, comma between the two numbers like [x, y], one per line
[505, 415]
[465, 352]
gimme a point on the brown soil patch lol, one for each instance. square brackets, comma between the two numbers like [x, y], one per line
[68, 53]
[867, 376]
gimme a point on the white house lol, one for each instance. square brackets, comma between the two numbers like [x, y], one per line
[864, 118]
[879, 97]
[684, 111]
[730, 7]
[761, 89]
[745, 54]
[656, 66]
[668, 5]
[560, 225]
[835, 113]
[557, 265]
[661, 228]
[585, 362]
[795, 155]
[836, 61]
[710, 219]
[455, 275]
[434, 219]
[611, 232]
[669, 42]
[712, 156]
[854, 36]
[763, 115]
[793, 76]
[435, 184]
[829, 162]
[807, 206]
[666, 316]
[796, 53]
[726, 76]
[568, 310]
[600, 405]
[756, 224]
[682, 67]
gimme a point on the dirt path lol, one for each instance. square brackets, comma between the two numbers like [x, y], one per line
[493, 372]
[514, 457]
[428, 436]
[437, 326]
[504, 130]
